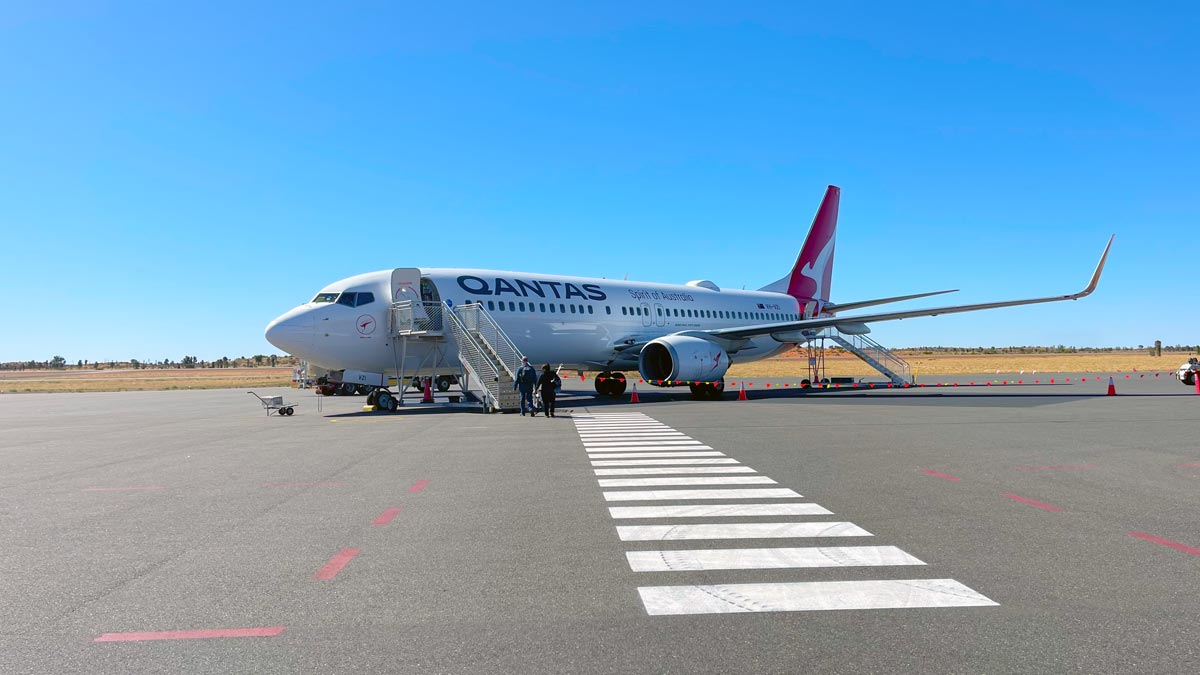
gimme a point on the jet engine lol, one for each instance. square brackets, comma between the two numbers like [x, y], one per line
[682, 358]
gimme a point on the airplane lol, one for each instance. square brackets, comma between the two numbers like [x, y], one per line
[669, 333]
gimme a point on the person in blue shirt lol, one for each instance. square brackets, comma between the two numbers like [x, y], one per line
[526, 379]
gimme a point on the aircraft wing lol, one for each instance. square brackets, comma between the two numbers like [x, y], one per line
[855, 324]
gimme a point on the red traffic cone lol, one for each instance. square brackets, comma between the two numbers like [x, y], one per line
[742, 392]
[634, 397]
[1112, 388]
[428, 397]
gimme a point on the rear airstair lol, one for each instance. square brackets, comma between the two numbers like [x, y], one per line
[876, 355]
[488, 356]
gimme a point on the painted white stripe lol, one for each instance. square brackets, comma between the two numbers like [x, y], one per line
[635, 434]
[663, 462]
[685, 480]
[668, 470]
[738, 531]
[767, 558]
[650, 448]
[717, 510]
[639, 455]
[609, 444]
[621, 425]
[809, 596]
[736, 493]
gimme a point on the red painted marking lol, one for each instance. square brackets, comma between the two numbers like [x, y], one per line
[192, 634]
[303, 484]
[1026, 500]
[156, 487]
[1063, 466]
[336, 563]
[939, 474]
[1165, 542]
[387, 516]
[418, 486]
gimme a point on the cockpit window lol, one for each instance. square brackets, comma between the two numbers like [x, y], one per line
[325, 297]
[365, 299]
[347, 299]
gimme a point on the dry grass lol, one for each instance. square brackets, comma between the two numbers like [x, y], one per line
[64, 381]
[793, 365]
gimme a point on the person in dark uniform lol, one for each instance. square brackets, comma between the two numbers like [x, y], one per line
[549, 382]
[524, 383]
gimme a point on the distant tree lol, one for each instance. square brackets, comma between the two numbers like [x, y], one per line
[135, 363]
[273, 360]
[58, 363]
[79, 364]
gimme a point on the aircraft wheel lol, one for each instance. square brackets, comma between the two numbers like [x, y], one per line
[604, 384]
[717, 389]
[361, 389]
[1189, 379]
[443, 383]
[373, 398]
[617, 385]
[805, 384]
[291, 411]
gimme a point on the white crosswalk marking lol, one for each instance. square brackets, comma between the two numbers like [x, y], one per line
[809, 596]
[735, 493]
[648, 448]
[668, 470]
[767, 558]
[662, 462]
[685, 480]
[635, 455]
[738, 531]
[654, 455]
[717, 510]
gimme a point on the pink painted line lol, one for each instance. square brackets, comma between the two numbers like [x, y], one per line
[336, 563]
[1165, 542]
[418, 486]
[939, 474]
[192, 634]
[1064, 466]
[121, 489]
[1026, 500]
[386, 517]
[324, 483]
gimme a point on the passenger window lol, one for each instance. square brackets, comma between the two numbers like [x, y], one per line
[659, 310]
[512, 306]
[347, 299]
[607, 309]
[491, 306]
[542, 306]
[623, 312]
[552, 308]
[572, 309]
[589, 309]
[365, 299]
[521, 306]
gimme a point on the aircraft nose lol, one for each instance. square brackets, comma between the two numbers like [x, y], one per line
[293, 332]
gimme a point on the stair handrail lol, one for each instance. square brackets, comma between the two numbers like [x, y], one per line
[411, 316]
[473, 356]
[477, 319]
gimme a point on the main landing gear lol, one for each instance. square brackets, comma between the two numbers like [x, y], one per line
[708, 391]
[611, 384]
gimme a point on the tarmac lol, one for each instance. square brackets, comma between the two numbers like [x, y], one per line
[994, 528]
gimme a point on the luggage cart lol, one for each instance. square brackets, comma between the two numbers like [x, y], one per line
[275, 404]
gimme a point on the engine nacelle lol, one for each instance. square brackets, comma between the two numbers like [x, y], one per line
[682, 357]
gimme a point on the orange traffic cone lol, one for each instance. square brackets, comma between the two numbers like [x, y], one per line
[428, 397]
[634, 398]
[1112, 388]
[742, 393]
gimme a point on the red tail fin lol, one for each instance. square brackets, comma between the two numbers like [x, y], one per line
[811, 275]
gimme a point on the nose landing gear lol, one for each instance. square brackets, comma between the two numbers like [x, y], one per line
[611, 384]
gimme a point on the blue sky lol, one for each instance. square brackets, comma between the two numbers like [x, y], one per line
[172, 178]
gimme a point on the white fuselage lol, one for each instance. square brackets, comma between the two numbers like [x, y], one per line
[571, 321]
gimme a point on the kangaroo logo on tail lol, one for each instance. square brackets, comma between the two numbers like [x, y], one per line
[813, 270]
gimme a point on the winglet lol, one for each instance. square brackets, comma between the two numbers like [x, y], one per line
[1095, 275]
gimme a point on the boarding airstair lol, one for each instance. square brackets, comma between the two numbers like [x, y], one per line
[488, 356]
[876, 355]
